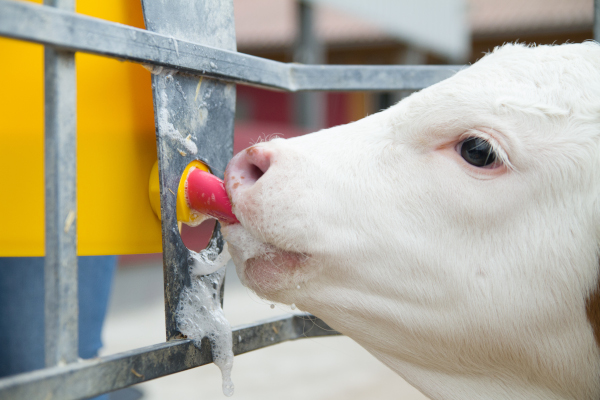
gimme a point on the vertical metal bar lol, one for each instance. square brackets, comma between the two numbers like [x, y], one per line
[310, 106]
[60, 266]
[410, 56]
[597, 20]
[194, 121]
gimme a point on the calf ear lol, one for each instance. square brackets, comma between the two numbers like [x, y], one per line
[592, 302]
[592, 308]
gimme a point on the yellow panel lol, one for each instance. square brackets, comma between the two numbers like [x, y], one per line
[22, 149]
[115, 139]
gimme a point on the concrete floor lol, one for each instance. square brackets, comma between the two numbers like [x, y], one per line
[322, 368]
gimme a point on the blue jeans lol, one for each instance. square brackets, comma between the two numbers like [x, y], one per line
[22, 310]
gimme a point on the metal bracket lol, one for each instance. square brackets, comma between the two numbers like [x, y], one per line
[194, 121]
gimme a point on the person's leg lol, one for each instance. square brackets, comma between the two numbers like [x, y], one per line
[22, 310]
[95, 279]
[21, 315]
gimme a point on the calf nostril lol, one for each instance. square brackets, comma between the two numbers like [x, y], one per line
[259, 161]
[253, 173]
[246, 168]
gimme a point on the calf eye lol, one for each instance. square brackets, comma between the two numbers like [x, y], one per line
[477, 152]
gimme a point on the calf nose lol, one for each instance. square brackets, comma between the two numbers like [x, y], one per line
[247, 167]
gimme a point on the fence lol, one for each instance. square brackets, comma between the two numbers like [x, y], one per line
[200, 47]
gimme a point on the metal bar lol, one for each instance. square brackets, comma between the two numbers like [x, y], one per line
[309, 106]
[93, 377]
[60, 263]
[199, 109]
[597, 20]
[75, 32]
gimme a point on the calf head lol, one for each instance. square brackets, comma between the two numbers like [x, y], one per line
[454, 235]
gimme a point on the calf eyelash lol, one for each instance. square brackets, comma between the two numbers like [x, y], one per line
[499, 154]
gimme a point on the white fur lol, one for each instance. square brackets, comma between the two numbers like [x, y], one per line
[470, 283]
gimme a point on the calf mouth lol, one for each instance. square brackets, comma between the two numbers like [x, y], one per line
[261, 266]
[263, 263]
[274, 271]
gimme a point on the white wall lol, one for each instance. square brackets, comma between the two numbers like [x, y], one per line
[440, 26]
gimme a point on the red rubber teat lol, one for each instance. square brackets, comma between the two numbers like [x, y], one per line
[206, 194]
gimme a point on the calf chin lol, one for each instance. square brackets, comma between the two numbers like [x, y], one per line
[265, 269]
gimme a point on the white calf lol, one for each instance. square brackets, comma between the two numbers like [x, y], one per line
[455, 235]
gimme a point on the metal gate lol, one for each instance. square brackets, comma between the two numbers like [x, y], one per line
[185, 41]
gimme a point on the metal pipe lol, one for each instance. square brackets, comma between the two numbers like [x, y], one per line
[309, 106]
[60, 263]
[75, 32]
[104, 374]
[597, 20]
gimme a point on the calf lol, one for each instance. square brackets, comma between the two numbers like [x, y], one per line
[454, 235]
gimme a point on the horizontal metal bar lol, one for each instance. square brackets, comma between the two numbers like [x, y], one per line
[75, 32]
[100, 375]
